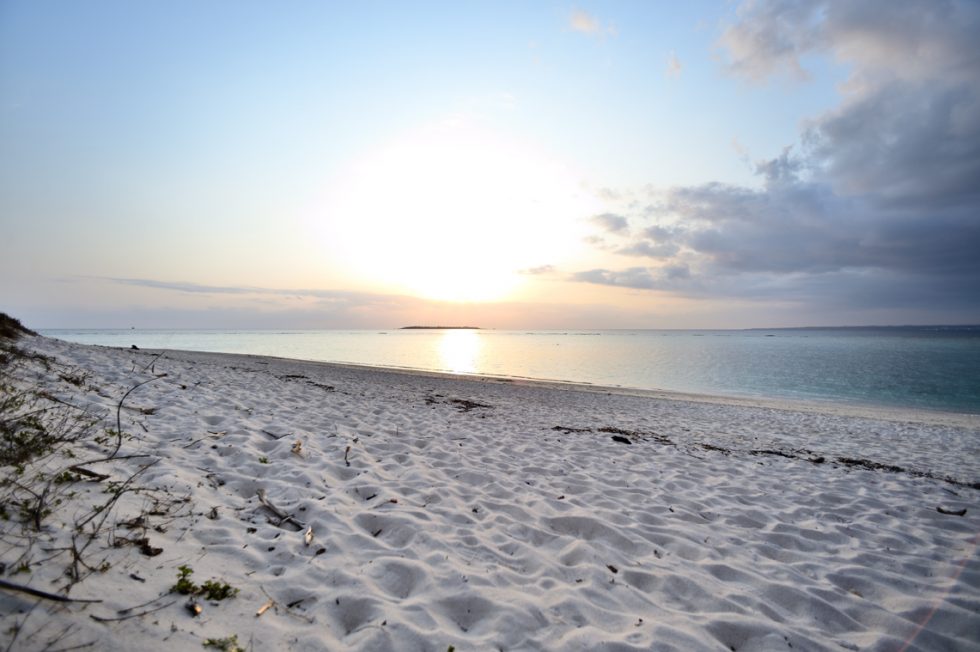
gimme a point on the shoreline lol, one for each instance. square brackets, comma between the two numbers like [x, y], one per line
[867, 397]
[858, 410]
[424, 511]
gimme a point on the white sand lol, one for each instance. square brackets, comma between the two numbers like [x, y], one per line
[486, 528]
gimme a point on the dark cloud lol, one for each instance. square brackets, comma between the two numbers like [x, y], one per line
[908, 129]
[611, 223]
[634, 277]
[804, 227]
[639, 278]
[794, 229]
[908, 143]
[879, 203]
[649, 250]
[902, 37]
[657, 232]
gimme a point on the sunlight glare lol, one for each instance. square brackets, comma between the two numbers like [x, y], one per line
[459, 350]
[454, 213]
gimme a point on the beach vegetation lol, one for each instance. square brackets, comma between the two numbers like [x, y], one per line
[77, 378]
[226, 644]
[11, 328]
[184, 585]
[66, 477]
[263, 460]
[23, 434]
[213, 590]
[43, 437]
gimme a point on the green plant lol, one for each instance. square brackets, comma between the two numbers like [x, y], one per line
[263, 460]
[66, 477]
[184, 585]
[76, 379]
[211, 590]
[226, 644]
[23, 436]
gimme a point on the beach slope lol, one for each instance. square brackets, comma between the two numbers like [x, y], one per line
[181, 500]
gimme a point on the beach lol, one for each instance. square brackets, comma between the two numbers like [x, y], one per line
[347, 507]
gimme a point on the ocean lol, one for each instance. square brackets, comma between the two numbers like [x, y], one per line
[936, 368]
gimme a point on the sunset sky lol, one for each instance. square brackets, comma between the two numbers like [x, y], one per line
[507, 164]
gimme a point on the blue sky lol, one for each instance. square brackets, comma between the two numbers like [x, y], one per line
[703, 164]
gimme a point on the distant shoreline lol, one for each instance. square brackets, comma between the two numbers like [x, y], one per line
[439, 328]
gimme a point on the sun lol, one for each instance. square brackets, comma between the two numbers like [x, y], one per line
[452, 212]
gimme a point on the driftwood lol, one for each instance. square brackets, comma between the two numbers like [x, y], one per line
[283, 516]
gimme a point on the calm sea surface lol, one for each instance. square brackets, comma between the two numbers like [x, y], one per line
[932, 368]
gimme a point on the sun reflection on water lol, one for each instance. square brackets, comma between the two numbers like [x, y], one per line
[459, 351]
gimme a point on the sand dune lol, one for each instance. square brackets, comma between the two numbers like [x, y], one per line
[480, 515]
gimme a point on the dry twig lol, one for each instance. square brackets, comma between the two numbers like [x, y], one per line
[282, 515]
[37, 593]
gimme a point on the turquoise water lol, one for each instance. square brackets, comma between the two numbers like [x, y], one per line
[931, 368]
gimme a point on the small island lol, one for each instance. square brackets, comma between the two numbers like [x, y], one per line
[440, 328]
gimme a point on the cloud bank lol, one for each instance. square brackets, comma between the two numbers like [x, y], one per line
[877, 205]
[183, 304]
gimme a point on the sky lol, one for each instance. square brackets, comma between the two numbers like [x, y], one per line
[705, 164]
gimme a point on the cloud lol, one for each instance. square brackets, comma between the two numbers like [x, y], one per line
[908, 127]
[649, 250]
[907, 142]
[877, 205]
[585, 23]
[180, 305]
[805, 227]
[582, 21]
[910, 39]
[770, 37]
[634, 277]
[611, 223]
[178, 286]
[333, 298]
[794, 226]
[538, 271]
[609, 194]
[637, 278]
[673, 66]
